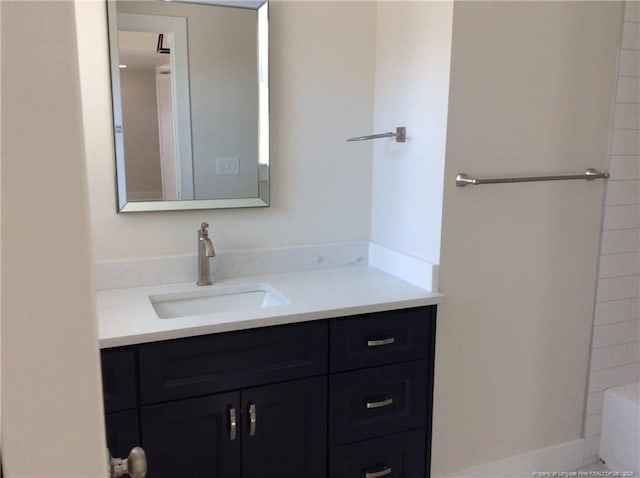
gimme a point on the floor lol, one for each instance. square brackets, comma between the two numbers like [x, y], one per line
[595, 467]
[600, 470]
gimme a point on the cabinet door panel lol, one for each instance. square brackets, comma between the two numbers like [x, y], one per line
[393, 456]
[290, 435]
[192, 438]
[119, 382]
[122, 432]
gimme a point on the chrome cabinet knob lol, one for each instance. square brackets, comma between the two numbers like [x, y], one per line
[135, 465]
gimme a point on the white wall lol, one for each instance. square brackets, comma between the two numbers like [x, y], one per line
[413, 52]
[615, 354]
[227, 92]
[532, 84]
[322, 83]
[51, 393]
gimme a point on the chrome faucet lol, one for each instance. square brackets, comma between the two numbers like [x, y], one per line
[205, 251]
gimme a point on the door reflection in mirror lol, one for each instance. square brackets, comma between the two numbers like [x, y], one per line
[147, 113]
[152, 134]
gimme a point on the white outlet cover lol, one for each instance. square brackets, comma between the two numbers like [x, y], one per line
[227, 166]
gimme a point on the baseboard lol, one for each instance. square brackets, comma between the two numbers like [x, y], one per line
[411, 269]
[564, 457]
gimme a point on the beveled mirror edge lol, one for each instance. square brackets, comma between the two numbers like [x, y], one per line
[246, 4]
[116, 111]
[158, 206]
[124, 206]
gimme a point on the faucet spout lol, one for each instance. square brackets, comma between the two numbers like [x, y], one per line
[205, 251]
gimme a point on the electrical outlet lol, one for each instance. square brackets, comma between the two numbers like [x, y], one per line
[227, 166]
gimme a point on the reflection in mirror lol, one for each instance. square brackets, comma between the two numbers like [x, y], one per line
[147, 84]
[190, 104]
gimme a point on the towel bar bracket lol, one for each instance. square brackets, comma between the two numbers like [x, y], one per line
[400, 135]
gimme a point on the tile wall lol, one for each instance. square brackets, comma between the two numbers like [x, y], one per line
[615, 356]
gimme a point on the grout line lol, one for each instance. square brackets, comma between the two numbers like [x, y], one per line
[622, 252]
[621, 276]
[615, 300]
[622, 228]
[611, 368]
[619, 322]
[617, 345]
[616, 254]
[594, 413]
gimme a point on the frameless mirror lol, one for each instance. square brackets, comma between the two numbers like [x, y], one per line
[190, 103]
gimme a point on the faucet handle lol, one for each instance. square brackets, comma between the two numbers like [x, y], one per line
[204, 229]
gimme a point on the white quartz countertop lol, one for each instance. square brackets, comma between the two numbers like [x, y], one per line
[126, 316]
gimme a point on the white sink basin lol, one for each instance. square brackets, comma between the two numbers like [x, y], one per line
[211, 300]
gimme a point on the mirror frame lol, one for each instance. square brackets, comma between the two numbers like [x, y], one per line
[184, 144]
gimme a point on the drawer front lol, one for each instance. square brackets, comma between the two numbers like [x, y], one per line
[380, 338]
[215, 363]
[395, 456]
[377, 401]
[118, 379]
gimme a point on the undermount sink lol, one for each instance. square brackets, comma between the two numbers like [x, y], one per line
[215, 300]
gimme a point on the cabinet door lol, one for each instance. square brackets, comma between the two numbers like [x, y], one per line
[122, 432]
[285, 430]
[193, 438]
[119, 383]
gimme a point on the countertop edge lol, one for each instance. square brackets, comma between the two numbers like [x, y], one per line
[119, 331]
[136, 339]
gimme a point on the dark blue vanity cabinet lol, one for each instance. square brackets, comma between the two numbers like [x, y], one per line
[337, 398]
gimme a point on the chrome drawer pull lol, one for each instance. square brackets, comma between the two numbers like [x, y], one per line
[377, 474]
[381, 403]
[252, 419]
[379, 342]
[233, 424]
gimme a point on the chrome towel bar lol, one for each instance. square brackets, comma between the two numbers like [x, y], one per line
[400, 135]
[590, 174]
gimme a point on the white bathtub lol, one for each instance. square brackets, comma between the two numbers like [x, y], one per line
[620, 435]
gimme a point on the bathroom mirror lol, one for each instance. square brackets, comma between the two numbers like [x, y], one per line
[190, 103]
